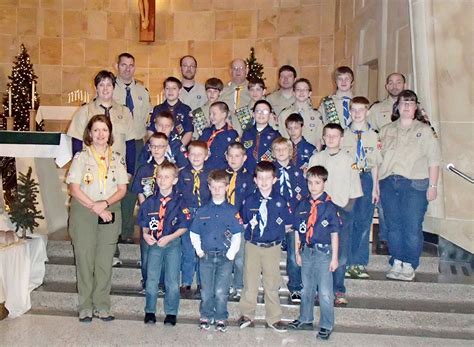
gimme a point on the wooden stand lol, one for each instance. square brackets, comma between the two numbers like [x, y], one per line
[147, 34]
[32, 120]
[10, 121]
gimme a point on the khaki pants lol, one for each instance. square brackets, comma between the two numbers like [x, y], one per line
[94, 246]
[267, 261]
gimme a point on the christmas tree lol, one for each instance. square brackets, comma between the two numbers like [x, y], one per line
[21, 86]
[254, 68]
[23, 210]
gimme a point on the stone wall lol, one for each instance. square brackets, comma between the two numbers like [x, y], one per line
[70, 40]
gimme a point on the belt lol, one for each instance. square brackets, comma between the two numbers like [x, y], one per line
[366, 170]
[215, 253]
[266, 244]
[314, 245]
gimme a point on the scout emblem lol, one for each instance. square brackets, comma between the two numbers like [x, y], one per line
[88, 178]
[302, 229]
[253, 222]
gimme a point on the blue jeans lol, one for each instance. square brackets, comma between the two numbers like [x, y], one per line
[404, 203]
[344, 234]
[216, 275]
[383, 232]
[293, 270]
[238, 281]
[168, 257]
[144, 258]
[317, 278]
[363, 213]
[189, 264]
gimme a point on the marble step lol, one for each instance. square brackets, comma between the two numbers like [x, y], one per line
[378, 321]
[375, 288]
[130, 253]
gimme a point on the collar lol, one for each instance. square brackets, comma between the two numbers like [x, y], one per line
[241, 170]
[172, 195]
[222, 204]
[121, 84]
[263, 130]
[278, 165]
[340, 97]
[367, 127]
[322, 197]
[242, 86]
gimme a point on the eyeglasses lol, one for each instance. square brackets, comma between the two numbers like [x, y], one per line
[265, 112]
[152, 147]
[188, 66]
[407, 103]
[238, 68]
[302, 90]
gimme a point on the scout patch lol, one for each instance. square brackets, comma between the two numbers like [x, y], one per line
[248, 144]
[148, 184]
[153, 224]
[179, 129]
[253, 222]
[175, 220]
[302, 228]
[325, 223]
[279, 220]
[88, 178]
[122, 161]
[278, 204]
[187, 213]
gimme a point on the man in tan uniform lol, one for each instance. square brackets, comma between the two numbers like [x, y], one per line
[192, 93]
[283, 97]
[235, 93]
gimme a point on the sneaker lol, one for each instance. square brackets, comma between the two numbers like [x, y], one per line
[395, 270]
[232, 291]
[170, 319]
[221, 326]
[407, 273]
[297, 325]
[150, 318]
[295, 297]
[105, 316]
[244, 322]
[279, 327]
[357, 272]
[238, 294]
[116, 262]
[348, 272]
[204, 324]
[340, 299]
[323, 334]
[161, 291]
[85, 316]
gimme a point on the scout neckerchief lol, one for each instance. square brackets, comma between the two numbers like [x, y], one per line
[313, 217]
[106, 110]
[285, 181]
[330, 110]
[214, 134]
[237, 97]
[161, 215]
[345, 110]
[197, 184]
[102, 165]
[257, 145]
[263, 214]
[231, 190]
[360, 155]
[294, 155]
[128, 99]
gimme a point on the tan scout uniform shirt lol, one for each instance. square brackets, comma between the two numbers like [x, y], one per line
[229, 96]
[371, 144]
[84, 171]
[380, 114]
[313, 126]
[195, 98]
[279, 102]
[408, 152]
[340, 110]
[122, 123]
[141, 105]
[343, 182]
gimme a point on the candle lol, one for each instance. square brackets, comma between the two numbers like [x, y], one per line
[10, 102]
[82, 99]
[69, 98]
[33, 95]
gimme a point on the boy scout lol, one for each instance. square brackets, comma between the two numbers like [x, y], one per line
[256, 89]
[362, 144]
[200, 115]
[343, 185]
[302, 105]
[183, 125]
[284, 96]
[192, 185]
[267, 217]
[258, 139]
[335, 108]
[291, 184]
[215, 233]
[163, 219]
[302, 149]
[218, 136]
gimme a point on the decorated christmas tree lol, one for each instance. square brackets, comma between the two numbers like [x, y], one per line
[254, 68]
[23, 211]
[21, 89]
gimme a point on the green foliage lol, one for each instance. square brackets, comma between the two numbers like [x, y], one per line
[23, 210]
[254, 68]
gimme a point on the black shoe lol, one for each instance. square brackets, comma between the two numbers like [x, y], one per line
[244, 322]
[279, 327]
[382, 248]
[170, 319]
[197, 293]
[297, 325]
[295, 297]
[324, 334]
[150, 318]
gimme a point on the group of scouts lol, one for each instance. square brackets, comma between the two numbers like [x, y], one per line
[226, 177]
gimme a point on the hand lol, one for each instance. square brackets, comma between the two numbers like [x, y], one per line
[164, 240]
[431, 193]
[106, 216]
[375, 196]
[228, 256]
[200, 254]
[299, 261]
[333, 265]
[149, 239]
[98, 207]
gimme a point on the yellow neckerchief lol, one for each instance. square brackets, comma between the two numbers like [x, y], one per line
[102, 165]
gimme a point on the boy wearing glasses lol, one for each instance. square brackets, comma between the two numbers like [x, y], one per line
[313, 125]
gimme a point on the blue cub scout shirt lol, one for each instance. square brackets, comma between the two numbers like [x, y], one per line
[182, 121]
[279, 215]
[177, 216]
[176, 153]
[219, 145]
[328, 220]
[297, 189]
[304, 151]
[244, 185]
[216, 224]
[264, 144]
[185, 186]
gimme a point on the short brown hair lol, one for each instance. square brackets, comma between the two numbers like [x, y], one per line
[223, 107]
[282, 141]
[159, 136]
[294, 118]
[166, 165]
[103, 75]
[265, 166]
[164, 114]
[198, 144]
[343, 70]
[218, 176]
[256, 81]
[87, 138]
[318, 171]
[361, 100]
[333, 126]
[303, 80]
[172, 79]
[214, 83]
[237, 145]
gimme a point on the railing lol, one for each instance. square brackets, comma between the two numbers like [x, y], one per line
[451, 168]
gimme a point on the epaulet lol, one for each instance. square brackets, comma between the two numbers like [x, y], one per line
[376, 102]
